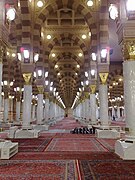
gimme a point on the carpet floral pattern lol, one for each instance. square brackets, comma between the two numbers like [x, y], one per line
[38, 169]
[107, 169]
[75, 144]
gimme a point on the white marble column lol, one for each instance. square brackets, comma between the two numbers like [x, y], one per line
[47, 104]
[11, 109]
[33, 112]
[27, 106]
[93, 108]
[6, 109]
[18, 109]
[87, 109]
[129, 94]
[51, 110]
[40, 109]
[118, 112]
[103, 94]
[113, 111]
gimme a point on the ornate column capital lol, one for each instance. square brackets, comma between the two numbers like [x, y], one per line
[128, 48]
[93, 88]
[86, 95]
[103, 77]
[27, 78]
[40, 89]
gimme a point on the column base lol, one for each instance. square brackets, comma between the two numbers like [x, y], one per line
[125, 148]
[108, 134]
[41, 127]
[26, 127]
[17, 123]
[8, 149]
[12, 131]
[25, 133]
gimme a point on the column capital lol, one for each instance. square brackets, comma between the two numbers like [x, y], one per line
[40, 89]
[128, 47]
[86, 95]
[27, 78]
[103, 77]
[93, 88]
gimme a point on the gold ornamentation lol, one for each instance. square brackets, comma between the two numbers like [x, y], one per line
[93, 89]
[40, 89]
[86, 95]
[27, 78]
[103, 77]
[129, 50]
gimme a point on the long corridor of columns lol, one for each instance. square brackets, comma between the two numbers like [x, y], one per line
[68, 58]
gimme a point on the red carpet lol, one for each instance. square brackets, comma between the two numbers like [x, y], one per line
[37, 144]
[38, 170]
[75, 144]
[69, 135]
[65, 156]
[108, 143]
[107, 169]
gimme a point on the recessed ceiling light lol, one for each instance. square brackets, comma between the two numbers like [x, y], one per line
[13, 54]
[84, 36]
[53, 54]
[40, 4]
[89, 3]
[78, 66]
[120, 79]
[56, 66]
[49, 36]
[80, 54]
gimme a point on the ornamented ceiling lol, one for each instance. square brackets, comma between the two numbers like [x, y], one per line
[66, 54]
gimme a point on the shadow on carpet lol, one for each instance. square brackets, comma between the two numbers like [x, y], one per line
[38, 170]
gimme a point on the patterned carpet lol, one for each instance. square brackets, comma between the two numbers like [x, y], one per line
[75, 144]
[38, 170]
[63, 155]
[66, 156]
[108, 143]
[107, 169]
[69, 135]
[32, 145]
